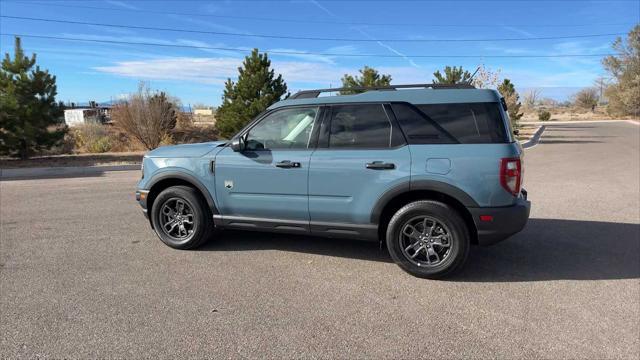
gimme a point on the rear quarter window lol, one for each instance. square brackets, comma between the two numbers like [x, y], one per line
[465, 123]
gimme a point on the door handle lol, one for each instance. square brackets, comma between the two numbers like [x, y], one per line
[379, 165]
[286, 164]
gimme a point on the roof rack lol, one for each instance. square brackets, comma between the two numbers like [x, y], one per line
[306, 94]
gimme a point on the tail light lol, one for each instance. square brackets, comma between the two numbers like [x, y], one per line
[511, 175]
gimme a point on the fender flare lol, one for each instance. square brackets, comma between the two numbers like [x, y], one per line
[184, 177]
[430, 185]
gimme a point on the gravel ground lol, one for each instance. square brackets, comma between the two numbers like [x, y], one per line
[82, 275]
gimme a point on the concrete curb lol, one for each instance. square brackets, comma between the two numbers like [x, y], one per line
[553, 122]
[534, 139]
[56, 172]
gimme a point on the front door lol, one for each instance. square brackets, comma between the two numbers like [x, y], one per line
[266, 184]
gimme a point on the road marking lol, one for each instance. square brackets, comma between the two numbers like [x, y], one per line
[533, 141]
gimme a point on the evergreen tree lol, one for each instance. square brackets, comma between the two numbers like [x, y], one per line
[452, 75]
[512, 99]
[29, 113]
[369, 77]
[256, 89]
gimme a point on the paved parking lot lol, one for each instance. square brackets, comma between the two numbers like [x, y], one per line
[82, 275]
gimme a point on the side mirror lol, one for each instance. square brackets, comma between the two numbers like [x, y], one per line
[237, 144]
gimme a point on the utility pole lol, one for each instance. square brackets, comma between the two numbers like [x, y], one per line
[601, 83]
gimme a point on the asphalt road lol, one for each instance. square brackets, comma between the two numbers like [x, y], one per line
[82, 275]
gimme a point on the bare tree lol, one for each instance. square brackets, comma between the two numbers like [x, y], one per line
[586, 98]
[486, 78]
[531, 98]
[147, 117]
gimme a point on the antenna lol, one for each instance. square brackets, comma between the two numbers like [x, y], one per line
[472, 75]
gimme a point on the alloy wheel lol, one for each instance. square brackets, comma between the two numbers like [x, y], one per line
[425, 241]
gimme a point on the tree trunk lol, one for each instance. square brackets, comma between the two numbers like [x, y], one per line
[24, 150]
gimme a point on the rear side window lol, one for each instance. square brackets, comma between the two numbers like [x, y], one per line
[418, 128]
[359, 126]
[468, 123]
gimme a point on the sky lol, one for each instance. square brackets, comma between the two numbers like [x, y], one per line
[407, 39]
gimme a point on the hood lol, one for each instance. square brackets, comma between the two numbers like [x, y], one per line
[185, 150]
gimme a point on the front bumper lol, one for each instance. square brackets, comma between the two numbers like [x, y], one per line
[499, 223]
[141, 198]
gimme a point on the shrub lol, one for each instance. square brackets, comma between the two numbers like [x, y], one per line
[146, 117]
[100, 145]
[544, 115]
[90, 137]
[184, 120]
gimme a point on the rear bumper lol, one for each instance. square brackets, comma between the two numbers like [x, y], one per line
[497, 224]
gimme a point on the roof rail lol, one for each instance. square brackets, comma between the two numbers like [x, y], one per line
[305, 94]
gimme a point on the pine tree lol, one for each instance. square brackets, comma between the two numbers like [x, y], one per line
[369, 77]
[452, 75]
[29, 113]
[512, 99]
[256, 89]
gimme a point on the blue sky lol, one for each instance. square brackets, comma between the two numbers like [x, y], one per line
[103, 71]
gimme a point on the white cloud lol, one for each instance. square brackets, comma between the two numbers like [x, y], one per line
[216, 70]
[122, 4]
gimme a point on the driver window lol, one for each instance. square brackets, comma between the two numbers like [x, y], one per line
[284, 129]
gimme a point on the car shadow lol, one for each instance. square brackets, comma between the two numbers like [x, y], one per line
[550, 249]
[547, 249]
[543, 141]
[237, 240]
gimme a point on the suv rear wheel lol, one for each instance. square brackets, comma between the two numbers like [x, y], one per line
[181, 218]
[428, 239]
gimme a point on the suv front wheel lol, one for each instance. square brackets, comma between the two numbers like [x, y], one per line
[180, 218]
[428, 239]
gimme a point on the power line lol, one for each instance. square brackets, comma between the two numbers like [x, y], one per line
[307, 38]
[256, 18]
[244, 50]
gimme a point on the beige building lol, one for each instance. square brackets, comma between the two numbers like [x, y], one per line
[203, 112]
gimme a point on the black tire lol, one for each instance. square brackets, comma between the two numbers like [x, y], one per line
[202, 221]
[443, 219]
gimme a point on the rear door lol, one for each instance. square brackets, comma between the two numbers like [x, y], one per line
[266, 184]
[459, 144]
[361, 154]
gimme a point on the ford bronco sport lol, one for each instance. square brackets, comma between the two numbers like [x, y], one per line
[429, 170]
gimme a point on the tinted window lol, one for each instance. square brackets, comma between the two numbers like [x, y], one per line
[469, 123]
[284, 129]
[359, 126]
[420, 129]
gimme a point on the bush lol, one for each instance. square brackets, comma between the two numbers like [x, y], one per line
[184, 120]
[100, 145]
[544, 115]
[146, 117]
[90, 137]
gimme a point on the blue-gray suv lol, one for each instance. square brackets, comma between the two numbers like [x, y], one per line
[428, 169]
